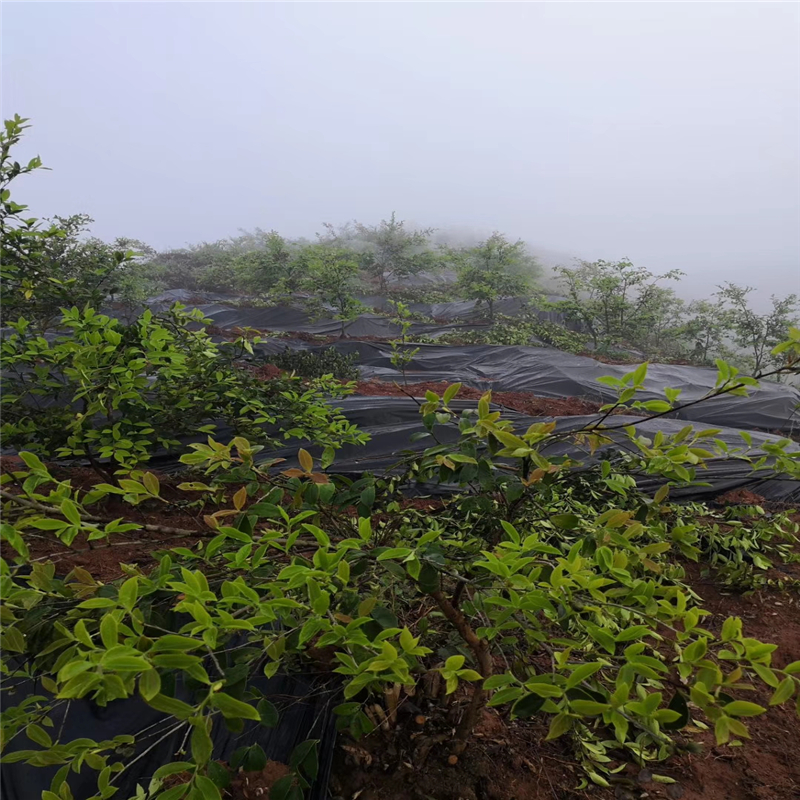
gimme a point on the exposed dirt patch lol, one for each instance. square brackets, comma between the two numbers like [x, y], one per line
[256, 785]
[175, 523]
[524, 402]
[740, 497]
[266, 372]
[504, 761]
[766, 767]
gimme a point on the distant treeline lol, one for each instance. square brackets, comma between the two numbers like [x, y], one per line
[619, 308]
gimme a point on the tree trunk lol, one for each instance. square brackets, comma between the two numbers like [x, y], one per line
[480, 650]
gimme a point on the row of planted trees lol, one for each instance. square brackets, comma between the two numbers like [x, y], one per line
[614, 305]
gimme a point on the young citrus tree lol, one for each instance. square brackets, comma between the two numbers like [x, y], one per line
[493, 269]
[332, 277]
[615, 302]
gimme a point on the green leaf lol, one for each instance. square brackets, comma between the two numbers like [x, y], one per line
[559, 725]
[208, 789]
[783, 693]
[527, 706]
[581, 673]
[678, 704]
[634, 632]
[70, 511]
[39, 735]
[172, 642]
[124, 663]
[233, 708]
[219, 774]
[304, 758]
[98, 602]
[498, 681]
[129, 592]
[450, 392]
[202, 746]
[32, 462]
[149, 684]
[368, 497]
[544, 689]
[428, 579]
[173, 768]
[722, 731]
[172, 706]
[255, 759]
[283, 788]
[588, 708]
[454, 663]
[743, 708]
[566, 522]
[395, 552]
[268, 713]
[109, 631]
[731, 628]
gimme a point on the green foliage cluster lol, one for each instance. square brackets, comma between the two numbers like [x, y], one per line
[620, 305]
[43, 269]
[493, 269]
[520, 331]
[111, 393]
[318, 363]
[402, 354]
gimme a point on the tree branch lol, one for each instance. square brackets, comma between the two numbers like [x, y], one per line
[480, 650]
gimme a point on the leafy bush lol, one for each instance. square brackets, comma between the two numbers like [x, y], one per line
[493, 269]
[741, 546]
[520, 331]
[110, 392]
[318, 363]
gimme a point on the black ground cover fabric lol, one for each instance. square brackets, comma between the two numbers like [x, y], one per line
[304, 703]
[391, 421]
[548, 372]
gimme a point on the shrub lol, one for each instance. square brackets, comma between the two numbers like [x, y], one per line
[318, 363]
[110, 392]
[511, 331]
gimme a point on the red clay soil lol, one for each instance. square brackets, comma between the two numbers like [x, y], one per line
[266, 372]
[103, 558]
[505, 761]
[255, 785]
[740, 497]
[524, 402]
[767, 766]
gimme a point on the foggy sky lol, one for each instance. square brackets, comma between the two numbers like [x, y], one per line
[668, 133]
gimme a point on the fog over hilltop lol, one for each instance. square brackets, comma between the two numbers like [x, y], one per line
[666, 133]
